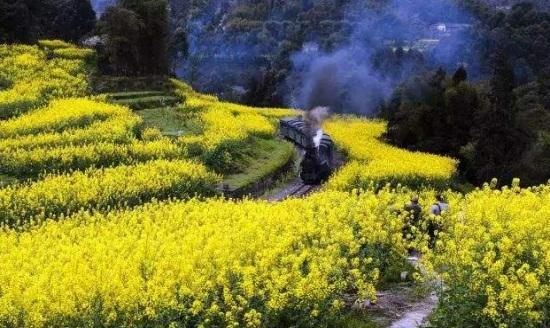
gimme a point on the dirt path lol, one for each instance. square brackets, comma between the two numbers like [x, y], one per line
[417, 314]
[402, 305]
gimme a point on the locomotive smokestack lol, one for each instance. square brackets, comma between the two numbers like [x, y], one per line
[314, 119]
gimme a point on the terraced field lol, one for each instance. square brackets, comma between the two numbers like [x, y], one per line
[110, 215]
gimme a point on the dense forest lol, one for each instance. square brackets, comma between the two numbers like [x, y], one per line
[26, 21]
[468, 79]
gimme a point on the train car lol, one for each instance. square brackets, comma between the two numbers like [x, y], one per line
[318, 160]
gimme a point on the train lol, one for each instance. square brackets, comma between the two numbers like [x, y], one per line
[317, 161]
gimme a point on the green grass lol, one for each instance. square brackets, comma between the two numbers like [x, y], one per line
[170, 121]
[6, 180]
[401, 293]
[263, 158]
[140, 103]
[134, 94]
[357, 320]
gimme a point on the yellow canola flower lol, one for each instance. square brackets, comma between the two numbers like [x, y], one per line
[102, 189]
[33, 78]
[226, 263]
[233, 263]
[60, 115]
[374, 163]
[75, 134]
[32, 163]
[495, 256]
[226, 127]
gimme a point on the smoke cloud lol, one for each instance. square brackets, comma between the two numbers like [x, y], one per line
[99, 6]
[316, 116]
[218, 56]
[341, 81]
[383, 49]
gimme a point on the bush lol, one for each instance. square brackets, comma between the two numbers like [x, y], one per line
[54, 44]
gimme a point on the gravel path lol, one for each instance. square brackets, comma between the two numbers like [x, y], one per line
[417, 314]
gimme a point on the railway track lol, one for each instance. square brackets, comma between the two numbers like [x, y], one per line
[300, 190]
[294, 189]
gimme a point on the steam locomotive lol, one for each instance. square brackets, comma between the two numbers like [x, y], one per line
[318, 155]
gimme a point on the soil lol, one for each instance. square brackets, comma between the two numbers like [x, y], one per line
[417, 313]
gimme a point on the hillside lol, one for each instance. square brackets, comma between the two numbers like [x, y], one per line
[503, 4]
[238, 163]
[111, 216]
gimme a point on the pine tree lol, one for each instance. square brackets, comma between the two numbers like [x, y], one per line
[499, 144]
[460, 75]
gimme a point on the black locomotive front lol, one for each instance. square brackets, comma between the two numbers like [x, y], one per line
[317, 163]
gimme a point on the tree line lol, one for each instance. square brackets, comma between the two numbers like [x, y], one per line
[135, 34]
[26, 21]
[497, 126]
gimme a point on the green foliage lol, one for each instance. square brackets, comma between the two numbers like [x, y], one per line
[433, 113]
[54, 44]
[75, 53]
[494, 131]
[265, 158]
[226, 157]
[139, 103]
[137, 37]
[25, 21]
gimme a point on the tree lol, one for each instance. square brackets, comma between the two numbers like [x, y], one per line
[142, 36]
[16, 22]
[26, 21]
[178, 48]
[122, 27]
[460, 75]
[499, 144]
[71, 21]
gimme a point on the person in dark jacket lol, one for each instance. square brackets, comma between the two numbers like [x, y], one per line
[414, 215]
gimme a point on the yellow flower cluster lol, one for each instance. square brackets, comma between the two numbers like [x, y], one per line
[54, 44]
[226, 127]
[374, 163]
[494, 257]
[102, 189]
[222, 263]
[214, 263]
[61, 115]
[75, 53]
[25, 163]
[33, 79]
[202, 101]
[224, 121]
[75, 134]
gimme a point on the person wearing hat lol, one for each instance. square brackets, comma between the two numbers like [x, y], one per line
[414, 216]
[414, 209]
